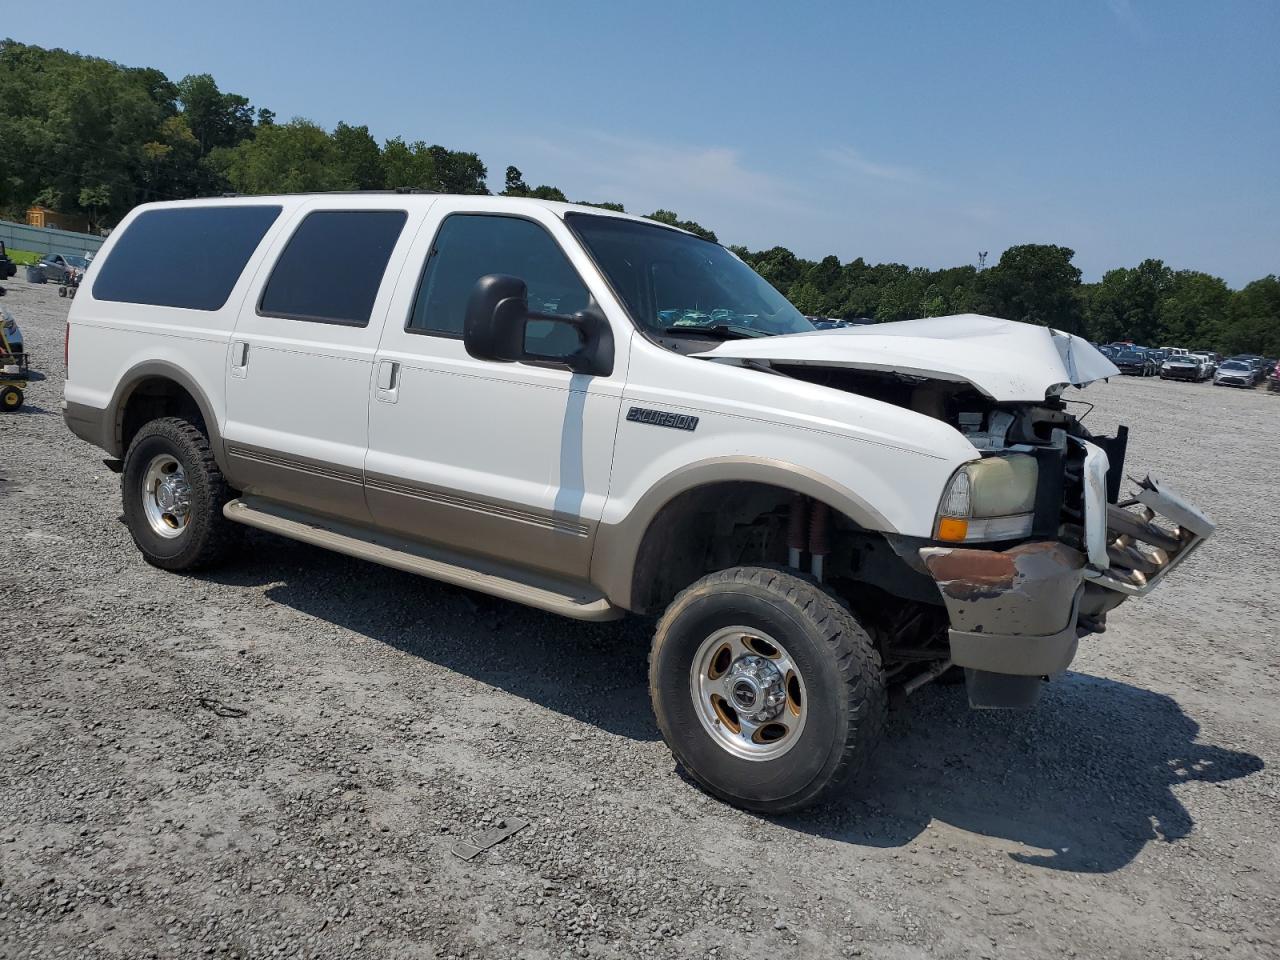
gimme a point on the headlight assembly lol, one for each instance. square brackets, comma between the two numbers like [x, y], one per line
[991, 499]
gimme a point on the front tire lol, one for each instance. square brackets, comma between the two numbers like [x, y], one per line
[767, 690]
[10, 398]
[173, 494]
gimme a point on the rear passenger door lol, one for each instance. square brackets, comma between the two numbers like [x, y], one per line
[301, 358]
[505, 460]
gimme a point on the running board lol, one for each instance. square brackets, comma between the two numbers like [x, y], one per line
[554, 596]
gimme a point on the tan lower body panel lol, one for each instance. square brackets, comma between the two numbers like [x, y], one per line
[538, 540]
[315, 486]
[566, 598]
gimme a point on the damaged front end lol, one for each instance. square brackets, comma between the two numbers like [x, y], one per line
[1032, 546]
[1017, 615]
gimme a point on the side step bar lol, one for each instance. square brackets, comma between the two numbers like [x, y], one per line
[554, 596]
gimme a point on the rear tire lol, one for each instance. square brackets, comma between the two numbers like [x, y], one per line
[829, 730]
[184, 528]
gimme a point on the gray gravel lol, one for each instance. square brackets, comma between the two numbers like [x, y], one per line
[274, 760]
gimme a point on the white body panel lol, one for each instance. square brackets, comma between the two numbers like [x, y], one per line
[893, 460]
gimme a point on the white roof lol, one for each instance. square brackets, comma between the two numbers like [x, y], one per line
[381, 199]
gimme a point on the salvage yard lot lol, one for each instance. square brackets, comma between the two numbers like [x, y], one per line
[276, 758]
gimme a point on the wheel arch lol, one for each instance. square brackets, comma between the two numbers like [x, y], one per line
[157, 388]
[627, 562]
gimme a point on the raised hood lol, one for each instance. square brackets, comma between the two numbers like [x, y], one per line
[1006, 360]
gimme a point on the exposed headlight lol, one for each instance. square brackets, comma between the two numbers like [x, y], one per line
[991, 499]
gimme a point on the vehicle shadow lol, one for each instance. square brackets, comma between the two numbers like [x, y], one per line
[1085, 780]
[593, 672]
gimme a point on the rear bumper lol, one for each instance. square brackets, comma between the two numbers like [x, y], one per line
[89, 423]
[1020, 612]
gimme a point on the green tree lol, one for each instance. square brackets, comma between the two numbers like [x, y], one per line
[673, 220]
[1127, 303]
[293, 157]
[407, 165]
[1253, 320]
[216, 119]
[357, 157]
[1035, 283]
[1193, 309]
[514, 184]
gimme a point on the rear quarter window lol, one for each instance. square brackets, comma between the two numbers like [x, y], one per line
[187, 257]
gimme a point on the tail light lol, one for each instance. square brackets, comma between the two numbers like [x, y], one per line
[66, 349]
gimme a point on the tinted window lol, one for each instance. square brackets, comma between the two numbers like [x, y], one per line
[332, 267]
[188, 257]
[467, 247]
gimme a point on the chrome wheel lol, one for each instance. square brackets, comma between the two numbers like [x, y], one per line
[749, 694]
[166, 496]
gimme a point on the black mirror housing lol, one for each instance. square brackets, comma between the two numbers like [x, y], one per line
[497, 310]
[496, 318]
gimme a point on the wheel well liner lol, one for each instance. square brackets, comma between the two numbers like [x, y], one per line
[159, 389]
[644, 560]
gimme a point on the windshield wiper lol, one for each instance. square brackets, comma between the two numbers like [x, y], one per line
[728, 331]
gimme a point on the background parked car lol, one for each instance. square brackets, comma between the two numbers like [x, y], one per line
[7, 267]
[1211, 361]
[1136, 361]
[57, 267]
[1183, 366]
[1236, 373]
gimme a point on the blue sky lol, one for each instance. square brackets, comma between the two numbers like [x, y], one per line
[920, 132]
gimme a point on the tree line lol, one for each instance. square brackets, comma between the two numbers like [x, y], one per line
[83, 134]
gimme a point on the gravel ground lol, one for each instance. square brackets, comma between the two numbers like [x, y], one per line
[276, 759]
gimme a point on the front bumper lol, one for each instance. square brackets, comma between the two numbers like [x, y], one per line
[1017, 615]
[1180, 373]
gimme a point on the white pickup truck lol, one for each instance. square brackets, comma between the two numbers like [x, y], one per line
[595, 414]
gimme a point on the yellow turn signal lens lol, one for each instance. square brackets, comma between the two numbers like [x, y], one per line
[955, 530]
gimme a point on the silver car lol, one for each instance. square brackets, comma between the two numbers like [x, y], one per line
[58, 267]
[1236, 373]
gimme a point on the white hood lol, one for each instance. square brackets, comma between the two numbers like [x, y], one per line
[1006, 360]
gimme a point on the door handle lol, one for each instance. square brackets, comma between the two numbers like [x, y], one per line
[239, 359]
[388, 382]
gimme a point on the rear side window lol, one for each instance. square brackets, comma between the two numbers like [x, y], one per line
[332, 267]
[188, 257]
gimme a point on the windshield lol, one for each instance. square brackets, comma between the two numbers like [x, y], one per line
[1235, 365]
[672, 282]
[79, 262]
[1132, 355]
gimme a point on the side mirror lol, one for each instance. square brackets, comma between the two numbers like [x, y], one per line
[494, 328]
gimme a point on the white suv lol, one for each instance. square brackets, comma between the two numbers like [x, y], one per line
[596, 414]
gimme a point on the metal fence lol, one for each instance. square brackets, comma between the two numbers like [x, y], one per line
[42, 240]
